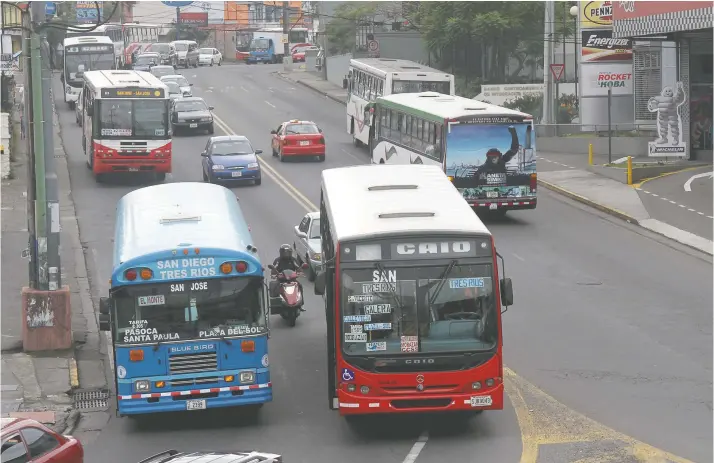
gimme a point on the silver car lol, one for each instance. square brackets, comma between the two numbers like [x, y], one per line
[181, 81]
[308, 245]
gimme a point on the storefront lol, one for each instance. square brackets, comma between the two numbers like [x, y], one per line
[672, 50]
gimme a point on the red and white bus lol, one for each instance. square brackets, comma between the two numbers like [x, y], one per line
[413, 298]
[122, 35]
[126, 123]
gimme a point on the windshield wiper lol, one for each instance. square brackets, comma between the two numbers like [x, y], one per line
[441, 283]
[391, 290]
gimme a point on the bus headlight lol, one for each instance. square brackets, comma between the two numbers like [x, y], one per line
[142, 385]
[247, 377]
[476, 386]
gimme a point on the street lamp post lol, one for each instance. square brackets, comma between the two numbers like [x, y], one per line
[575, 12]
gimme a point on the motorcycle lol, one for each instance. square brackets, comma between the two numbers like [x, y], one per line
[289, 302]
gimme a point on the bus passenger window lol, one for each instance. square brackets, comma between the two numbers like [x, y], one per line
[413, 131]
[430, 133]
[380, 87]
[420, 129]
[437, 138]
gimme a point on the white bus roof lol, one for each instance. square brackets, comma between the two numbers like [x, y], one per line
[375, 201]
[116, 78]
[87, 40]
[449, 106]
[387, 65]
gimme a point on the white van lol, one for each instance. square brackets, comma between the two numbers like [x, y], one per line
[187, 52]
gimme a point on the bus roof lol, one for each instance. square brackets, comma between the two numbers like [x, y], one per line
[387, 65]
[446, 106]
[179, 215]
[87, 40]
[116, 78]
[380, 200]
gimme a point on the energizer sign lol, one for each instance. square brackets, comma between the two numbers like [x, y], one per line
[429, 249]
[609, 43]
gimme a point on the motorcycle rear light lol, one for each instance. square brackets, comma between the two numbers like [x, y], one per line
[130, 274]
[241, 267]
[136, 355]
[146, 274]
[247, 346]
[226, 268]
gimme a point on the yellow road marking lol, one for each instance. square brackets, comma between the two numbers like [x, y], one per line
[542, 420]
[666, 174]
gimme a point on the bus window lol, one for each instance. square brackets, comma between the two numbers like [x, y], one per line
[420, 128]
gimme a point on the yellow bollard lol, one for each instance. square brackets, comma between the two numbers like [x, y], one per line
[590, 154]
[629, 170]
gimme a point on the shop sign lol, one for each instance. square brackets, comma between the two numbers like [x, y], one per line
[595, 15]
[667, 105]
[600, 46]
[597, 79]
[640, 9]
[194, 18]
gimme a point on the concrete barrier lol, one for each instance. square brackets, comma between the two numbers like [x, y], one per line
[621, 146]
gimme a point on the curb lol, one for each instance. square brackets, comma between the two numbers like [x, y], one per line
[310, 87]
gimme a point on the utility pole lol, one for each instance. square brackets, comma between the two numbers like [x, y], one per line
[27, 118]
[548, 36]
[178, 23]
[286, 29]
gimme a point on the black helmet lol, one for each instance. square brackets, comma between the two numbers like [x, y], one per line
[286, 251]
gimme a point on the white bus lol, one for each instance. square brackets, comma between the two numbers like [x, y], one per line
[122, 35]
[370, 78]
[488, 152]
[82, 54]
[126, 124]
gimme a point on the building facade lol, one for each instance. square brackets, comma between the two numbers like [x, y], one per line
[672, 70]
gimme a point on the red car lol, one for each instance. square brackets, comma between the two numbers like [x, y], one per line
[298, 139]
[298, 52]
[27, 441]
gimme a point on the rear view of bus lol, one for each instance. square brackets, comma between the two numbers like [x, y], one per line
[126, 124]
[84, 54]
[187, 304]
[412, 293]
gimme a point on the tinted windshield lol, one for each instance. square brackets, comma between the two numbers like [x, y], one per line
[415, 86]
[181, 46]
[301, 129]
[315, 229]
[189, 106]
[206, 51]
[131, 118]
[223, 148]
[91, 62]
[259, 44]
[146, 59]
[173, 87]
[403, 310]
[189, 310]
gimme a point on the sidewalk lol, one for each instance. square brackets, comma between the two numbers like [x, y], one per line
[44, 386]
[571, 180]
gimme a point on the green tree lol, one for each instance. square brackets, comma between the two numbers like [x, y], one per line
[343, 24]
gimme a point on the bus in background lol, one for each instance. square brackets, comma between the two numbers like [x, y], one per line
[242, 41]
[83, 54]
[122, 35]
[126, 123]
[487, 151]
[370, 78]
[413, 299]
[187, 304]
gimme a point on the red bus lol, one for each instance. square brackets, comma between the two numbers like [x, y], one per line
[125, 123]
[413, 299]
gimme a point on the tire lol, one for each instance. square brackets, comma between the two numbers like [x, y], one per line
[280, 156]
[311, 275]
[99, 178]
[291, 318]
[211, 129]
[211, 62]
[160, 176]
[275, 153]
[257, 182]
[220, 61]
[321, 158]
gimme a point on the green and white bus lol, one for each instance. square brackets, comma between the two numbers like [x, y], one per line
[487, 151]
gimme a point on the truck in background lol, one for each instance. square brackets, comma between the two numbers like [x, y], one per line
[267, 44]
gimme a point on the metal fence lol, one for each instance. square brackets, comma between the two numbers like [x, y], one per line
[616, 130]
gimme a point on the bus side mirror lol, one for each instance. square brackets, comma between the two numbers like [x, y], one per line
[320, 284]
[506, 292]
[104, 304]
[104, 324]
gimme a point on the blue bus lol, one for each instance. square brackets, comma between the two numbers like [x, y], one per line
[187, 304]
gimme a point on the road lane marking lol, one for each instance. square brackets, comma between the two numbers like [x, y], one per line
[553, 426]
[354, 156]
[683, 206]
[269, 103]
[244, 89]
[518, 257]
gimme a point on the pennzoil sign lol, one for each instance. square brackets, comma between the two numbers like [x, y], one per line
[595, 14]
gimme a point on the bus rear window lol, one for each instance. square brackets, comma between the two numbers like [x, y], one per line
[418, 86]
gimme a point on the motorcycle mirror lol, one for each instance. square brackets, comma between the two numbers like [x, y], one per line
[271, 267]
[304, 266]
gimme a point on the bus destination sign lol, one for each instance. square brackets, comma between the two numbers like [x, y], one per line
[490, 120]
[90, 49]
[134, 92]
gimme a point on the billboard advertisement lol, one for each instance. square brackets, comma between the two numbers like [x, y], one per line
[642, 8]
[596, 79]
[669, 122]
[599, 46]
[194, 18]
[89, 12]
[595, 15]
[214, 11]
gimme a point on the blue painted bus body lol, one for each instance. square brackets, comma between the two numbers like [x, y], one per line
[184, 232]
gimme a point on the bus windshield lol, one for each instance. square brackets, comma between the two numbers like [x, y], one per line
[419, 86]
[443, 308]
[90, 61]
[132, 118]
[189, 310]
[259, 44]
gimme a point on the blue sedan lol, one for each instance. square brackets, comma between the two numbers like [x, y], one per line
[230, 158]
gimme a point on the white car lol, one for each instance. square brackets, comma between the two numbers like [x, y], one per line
[209, 57]
[181, 81]
[308, 244]
[78, 108]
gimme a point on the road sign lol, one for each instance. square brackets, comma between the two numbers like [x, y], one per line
[373, 46]
[177, 4]
[557, 71]
[50, 8]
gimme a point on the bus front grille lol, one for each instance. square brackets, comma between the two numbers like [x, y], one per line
[193, 363]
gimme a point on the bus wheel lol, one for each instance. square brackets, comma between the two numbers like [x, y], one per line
[160, 176]
[99, 178]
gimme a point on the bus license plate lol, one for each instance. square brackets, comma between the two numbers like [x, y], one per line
[481, 401]
[492, 194]
[493, 206]
[193, 126]
[236, 174]
[201, 404]
[133, 169]
[304, 142]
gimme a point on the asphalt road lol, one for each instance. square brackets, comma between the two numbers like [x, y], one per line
[666, 200]
[610, 336]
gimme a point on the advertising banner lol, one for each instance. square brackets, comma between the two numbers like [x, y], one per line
[194, 18]
[214, 11]
[596, 79]
[595, 15]
[644, 8]
[669, 122]
[87, 12]
[599, 46]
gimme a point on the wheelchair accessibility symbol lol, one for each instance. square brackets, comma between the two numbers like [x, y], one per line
[348, 375]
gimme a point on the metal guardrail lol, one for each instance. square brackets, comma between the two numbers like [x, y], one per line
[618, 130]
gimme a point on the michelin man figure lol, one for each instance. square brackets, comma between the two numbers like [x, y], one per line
[666, 105]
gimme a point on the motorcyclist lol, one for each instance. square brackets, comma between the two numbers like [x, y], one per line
[284, 261]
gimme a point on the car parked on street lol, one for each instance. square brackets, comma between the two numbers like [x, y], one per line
[174, 456]
[191, 114]
[181, 81]
[162, 70]
[209, 57]
[230, 158]
[28, 441]
[298, 139]
[308, 245]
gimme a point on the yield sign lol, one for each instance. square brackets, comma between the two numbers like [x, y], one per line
[557, 71]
